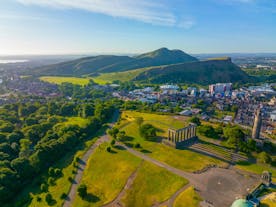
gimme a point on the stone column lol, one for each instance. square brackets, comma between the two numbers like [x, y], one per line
[186, 133]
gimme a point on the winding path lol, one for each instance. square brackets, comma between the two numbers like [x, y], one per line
[221, 186]
[117, 201]
[73, 190]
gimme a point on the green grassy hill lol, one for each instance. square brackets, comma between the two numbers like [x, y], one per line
[201, 72]
[112, 63]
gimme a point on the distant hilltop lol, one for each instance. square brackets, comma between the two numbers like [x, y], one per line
[113, 63]
[159, 66]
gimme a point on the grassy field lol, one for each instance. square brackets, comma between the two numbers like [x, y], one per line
[221, 114]
[270, 201]
[257, 168]
[152, 185]
[106, 174]
[182, 159]
[81, 122]
[59, 80]
[104, 78]
[187, 198]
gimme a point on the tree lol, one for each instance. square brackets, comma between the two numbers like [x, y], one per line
[208, 131]
[147, 131]
[108, 149]
[121, 135]
[51, 181]
[82, 190]
[112, 143]
[49, 198]
[113, 132]
[22, 166]
[264, 157]
[25, 145]
[137, 145]
[139, 121]
[43, 187]
[234, 135]
[195, 120]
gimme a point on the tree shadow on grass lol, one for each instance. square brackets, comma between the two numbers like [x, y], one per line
[155, 139]
[91, 198]
[52, 202]
[145, 151]
[128, 139]
[119, 147]
[129, 144]
[159, 130]
[113, 151]
[80, 161]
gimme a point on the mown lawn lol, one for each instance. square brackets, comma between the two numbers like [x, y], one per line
[257, 168]
[270, 201]
[106, 174]
[152, 185]
[59, 80]
[183, 159]
[187, 198]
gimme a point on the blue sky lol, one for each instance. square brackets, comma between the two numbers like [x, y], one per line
[135, 26]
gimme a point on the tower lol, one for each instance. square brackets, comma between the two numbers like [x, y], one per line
[257, 124]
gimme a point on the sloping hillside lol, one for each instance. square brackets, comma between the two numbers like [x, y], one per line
[111, 63]
[202, 72]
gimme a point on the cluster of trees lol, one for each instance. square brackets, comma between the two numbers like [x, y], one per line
[89, 91]
[234, 136]
[34, 136]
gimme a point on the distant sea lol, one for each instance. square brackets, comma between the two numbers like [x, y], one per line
[3, 61]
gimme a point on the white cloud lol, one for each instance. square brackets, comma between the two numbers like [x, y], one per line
[186, 23]
[142, 10]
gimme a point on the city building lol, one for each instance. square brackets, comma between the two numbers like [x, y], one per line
[220, 88]
[257, 124]
[273, 116]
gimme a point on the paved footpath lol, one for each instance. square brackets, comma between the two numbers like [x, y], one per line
[73, 190]
[77, 180]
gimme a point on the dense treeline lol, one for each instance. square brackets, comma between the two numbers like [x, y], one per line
[34, 136]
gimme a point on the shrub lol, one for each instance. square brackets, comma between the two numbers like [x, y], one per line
[58, 173]
[112, 142]
[108, 149]
[137, 145]
[70, 179]
[43, 187]
[48, 198]
[38, 199]
[82, 190]
[63, 196]
[51, 181]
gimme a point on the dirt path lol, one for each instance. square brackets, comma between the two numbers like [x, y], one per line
[170, 201]
[117, 201]
[218, 185]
